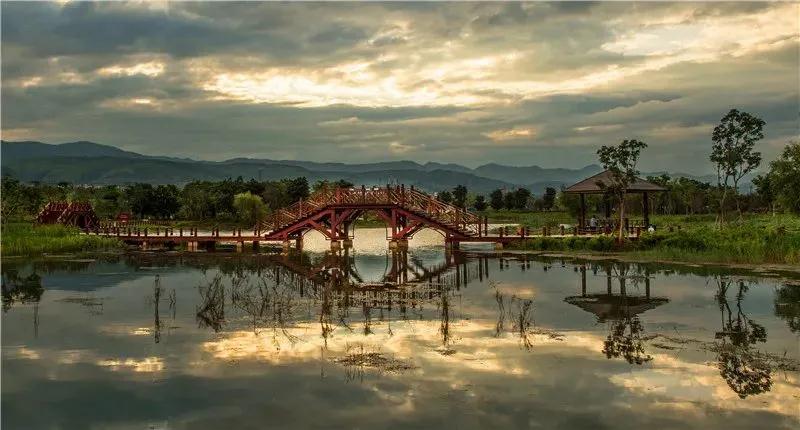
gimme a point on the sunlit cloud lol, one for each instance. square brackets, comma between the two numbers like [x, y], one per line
[526, 133]
[150, 69]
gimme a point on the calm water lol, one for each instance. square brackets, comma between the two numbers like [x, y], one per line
[375, 340]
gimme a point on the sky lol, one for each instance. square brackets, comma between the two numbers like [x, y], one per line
[514, 83]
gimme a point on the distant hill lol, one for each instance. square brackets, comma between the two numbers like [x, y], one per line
[93, 163]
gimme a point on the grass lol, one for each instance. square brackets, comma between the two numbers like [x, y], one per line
[754, 239]
[27, 239]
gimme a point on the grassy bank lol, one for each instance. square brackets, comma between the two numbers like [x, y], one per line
[26, 239]
[755, 239]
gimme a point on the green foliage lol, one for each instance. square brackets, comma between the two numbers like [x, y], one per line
[297, 189]
[621, 161]
[460, 196]
[249, 208]
[480, 203]
[732, 151]
[784, 178]
[756, 239]
[27, 239]
[496, 200]
[549, 198]
[509, 201]
[445, 197]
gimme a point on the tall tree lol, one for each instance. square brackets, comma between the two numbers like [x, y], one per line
[621, 161]
[732, 152]
[460, 196]
[445, 197]
[496, 200]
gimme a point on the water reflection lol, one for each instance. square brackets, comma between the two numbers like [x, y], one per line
[745, 370]
[425, 329]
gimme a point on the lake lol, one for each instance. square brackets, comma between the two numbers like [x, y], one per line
[373, 339]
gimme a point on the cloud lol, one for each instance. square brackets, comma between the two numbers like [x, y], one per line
[456, 83]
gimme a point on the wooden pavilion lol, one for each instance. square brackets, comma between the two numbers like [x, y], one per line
[599, 183]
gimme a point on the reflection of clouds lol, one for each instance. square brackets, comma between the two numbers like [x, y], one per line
[695, 386]
[20, 353]
[144, 365]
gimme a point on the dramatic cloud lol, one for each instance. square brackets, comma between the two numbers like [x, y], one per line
[518, 83]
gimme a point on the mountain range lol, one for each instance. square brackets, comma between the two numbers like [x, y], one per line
[95, 164]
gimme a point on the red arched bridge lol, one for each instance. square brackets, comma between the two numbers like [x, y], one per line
[333, 212]
[405, 211]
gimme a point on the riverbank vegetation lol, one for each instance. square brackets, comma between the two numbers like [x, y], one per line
[23, 239]
[754, 239]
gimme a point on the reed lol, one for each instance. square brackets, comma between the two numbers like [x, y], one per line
[28, 239]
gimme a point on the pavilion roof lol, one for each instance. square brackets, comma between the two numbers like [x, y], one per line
[591, 184]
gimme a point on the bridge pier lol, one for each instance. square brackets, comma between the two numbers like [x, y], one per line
[335, 245]
[286, 247]
[239, 246]
[398, 244]
[347, 243]
[498, 246]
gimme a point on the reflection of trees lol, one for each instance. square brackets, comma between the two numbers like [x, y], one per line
[625, 340]
[626, 332]
[740, 365]
[625, 336]
[211, 312]
[520, 313]
[787, 305]
[20, 289]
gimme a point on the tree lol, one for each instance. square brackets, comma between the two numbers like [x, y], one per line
[445, 197]
[510, 200]
[140, 198]
[249, 208]
[165, 201]
[460, 196]
[621, 161]
[12, 201]
[496, 200]
[480, 203]
[521, 197]
[732, 152]
[297, 189]
[549, 198]
[785, 177]
[764, 191]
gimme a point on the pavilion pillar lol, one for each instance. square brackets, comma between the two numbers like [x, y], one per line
[582, 219]
[646, 209]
